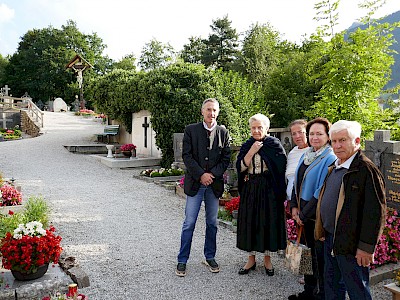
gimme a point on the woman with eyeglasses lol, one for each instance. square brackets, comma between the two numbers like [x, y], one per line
[309, 177]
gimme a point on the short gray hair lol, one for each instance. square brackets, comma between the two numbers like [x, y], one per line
[261, 118]
[353, 128]
[213, 100]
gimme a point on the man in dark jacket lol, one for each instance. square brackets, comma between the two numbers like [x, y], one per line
[206, 154]
[350, 215]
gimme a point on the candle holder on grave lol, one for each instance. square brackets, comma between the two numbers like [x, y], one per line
[110, 149]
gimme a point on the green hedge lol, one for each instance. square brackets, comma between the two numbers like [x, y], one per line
[174, 96]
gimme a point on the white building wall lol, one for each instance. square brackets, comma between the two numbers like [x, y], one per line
[138, 135]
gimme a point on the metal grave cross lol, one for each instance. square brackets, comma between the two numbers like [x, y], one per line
[145, 125]
[4, 120]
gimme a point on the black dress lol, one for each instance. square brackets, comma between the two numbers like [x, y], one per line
[261, 220]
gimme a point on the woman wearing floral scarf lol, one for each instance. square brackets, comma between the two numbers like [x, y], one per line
[309, 177]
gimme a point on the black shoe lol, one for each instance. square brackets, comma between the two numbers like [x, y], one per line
[269, 272]
[244, 271]
[212, 265]
[301, 296]
[181, 270]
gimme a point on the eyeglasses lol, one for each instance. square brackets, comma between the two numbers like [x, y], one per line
[296, 133]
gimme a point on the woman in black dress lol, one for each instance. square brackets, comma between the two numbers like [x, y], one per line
[261, 166]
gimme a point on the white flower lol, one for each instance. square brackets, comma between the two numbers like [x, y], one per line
[34, 228]
[17, 236]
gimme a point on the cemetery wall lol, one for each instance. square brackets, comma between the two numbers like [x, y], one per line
[28, 126]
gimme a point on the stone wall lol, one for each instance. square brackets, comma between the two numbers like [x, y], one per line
[28, 125]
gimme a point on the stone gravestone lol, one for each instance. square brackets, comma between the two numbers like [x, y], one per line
[386, 156]
[178, 143]
[59, 105]
[9, 119]
[40, 104]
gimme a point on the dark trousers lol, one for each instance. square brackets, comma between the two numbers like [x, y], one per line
[342, 273]
[314, 284]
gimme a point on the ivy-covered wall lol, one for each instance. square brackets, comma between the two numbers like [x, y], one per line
[174, 96]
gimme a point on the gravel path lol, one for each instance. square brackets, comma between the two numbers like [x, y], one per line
[125, 232]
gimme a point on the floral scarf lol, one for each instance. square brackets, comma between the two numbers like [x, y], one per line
[310, 155]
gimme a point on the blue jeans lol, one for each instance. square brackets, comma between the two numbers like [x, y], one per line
[342, 273]
[192, 209]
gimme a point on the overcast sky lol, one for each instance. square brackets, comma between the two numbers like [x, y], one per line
[127, 25]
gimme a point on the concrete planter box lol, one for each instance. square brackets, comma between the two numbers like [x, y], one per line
[14, 208]
[179, 191]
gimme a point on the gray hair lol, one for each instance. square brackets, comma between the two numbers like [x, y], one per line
[300, 122]
[353, 128]
[213, 100]
[261, 118]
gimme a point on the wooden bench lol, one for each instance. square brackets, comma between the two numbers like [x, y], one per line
[109, 130]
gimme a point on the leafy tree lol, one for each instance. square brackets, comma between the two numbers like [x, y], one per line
[327, 13]
[352, 78]
[3, 64]
[241, 100]
[260, 52]
[155, 55]
[222, 45]
[128, 62]
[290, 88]
[39, 64]
[194, 51]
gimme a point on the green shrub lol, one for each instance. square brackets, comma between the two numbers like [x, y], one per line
[9, 222]
[36, 209]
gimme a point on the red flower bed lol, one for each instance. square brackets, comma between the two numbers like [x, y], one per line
[233, 204]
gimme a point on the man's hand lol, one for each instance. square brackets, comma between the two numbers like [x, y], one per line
[364, 259]
[206, 179]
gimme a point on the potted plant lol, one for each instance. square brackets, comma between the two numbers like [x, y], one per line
[10, 196]
[28, 251]
[232, 206]
[128, 150]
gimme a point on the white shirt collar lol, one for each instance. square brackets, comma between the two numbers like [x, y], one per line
[347, 163]
[212, 127]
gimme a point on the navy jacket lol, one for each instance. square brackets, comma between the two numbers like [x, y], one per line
[199, 158]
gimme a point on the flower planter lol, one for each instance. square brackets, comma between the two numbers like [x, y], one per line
[235, 214]
[223, 201]
[25, 277]
[127, 153]
[394, 289]
[4, 210]
[179, 191]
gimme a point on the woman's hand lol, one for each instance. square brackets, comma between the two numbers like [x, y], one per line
[295, 216]
[256, 147]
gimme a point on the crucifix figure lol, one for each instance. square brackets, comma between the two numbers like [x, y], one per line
[4, 119]
[145, 125]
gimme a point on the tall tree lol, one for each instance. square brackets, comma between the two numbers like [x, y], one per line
[260, 52]
[354, 75]
[155, 55]
[194, 51]
[38, 66]
[3, 64]
[128, 62]
[222, 45]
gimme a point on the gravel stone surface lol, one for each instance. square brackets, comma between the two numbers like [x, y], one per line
[125, 232]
